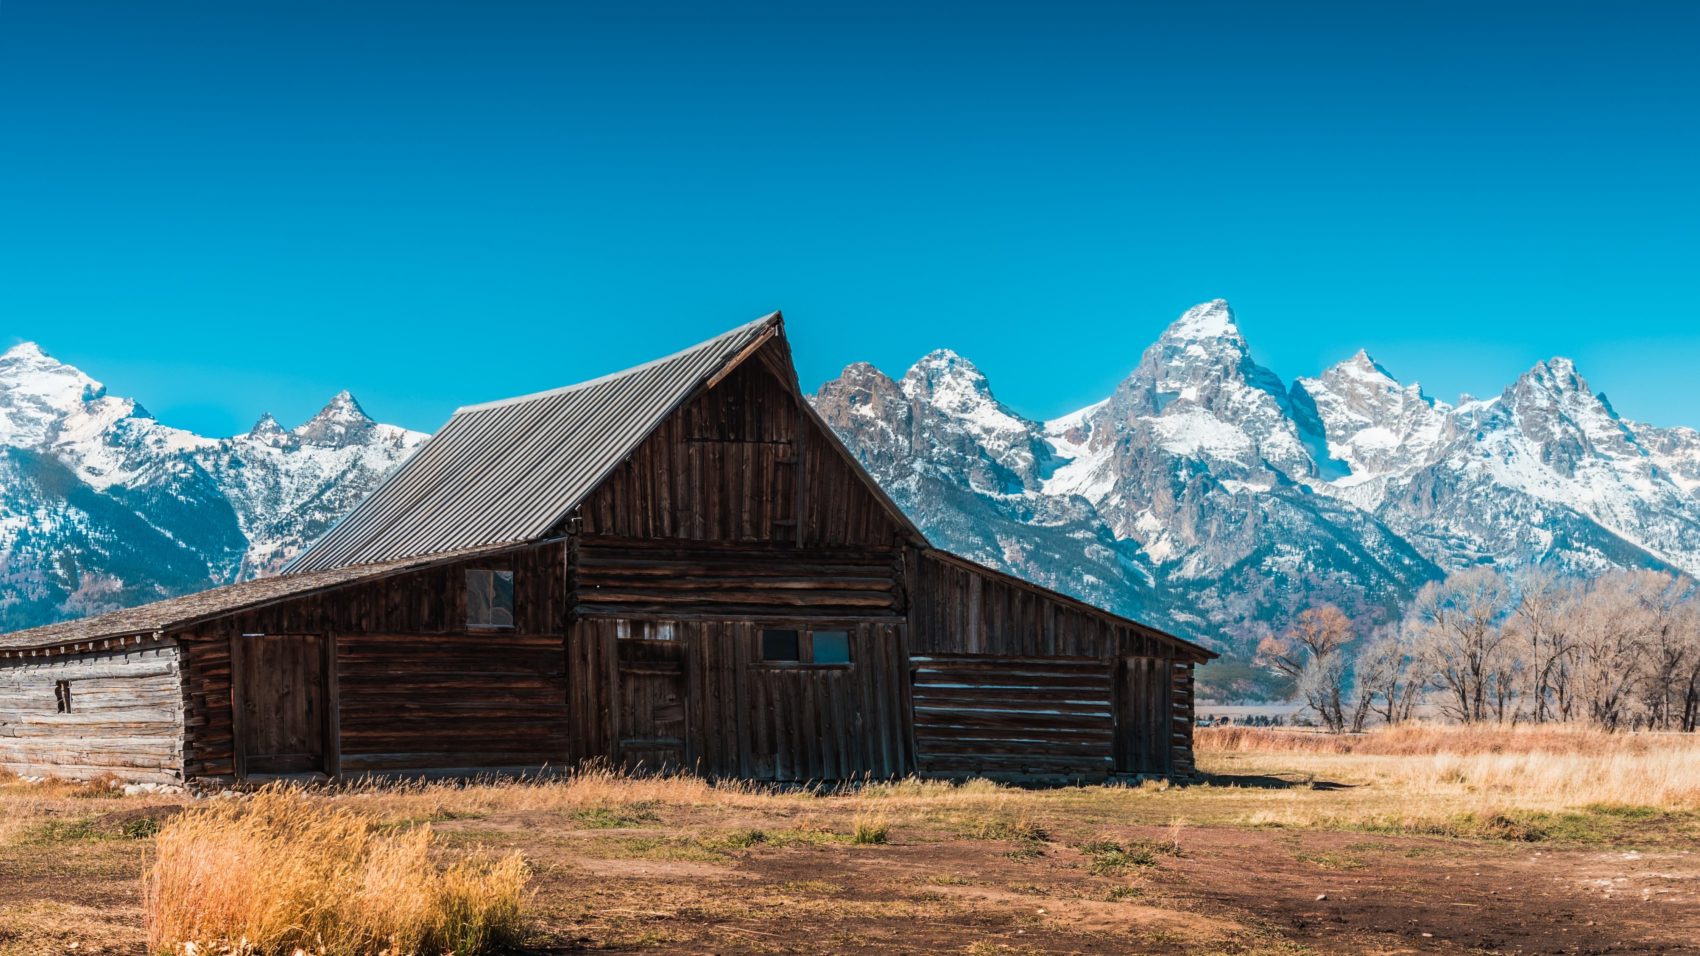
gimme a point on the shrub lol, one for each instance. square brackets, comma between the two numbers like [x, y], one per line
[871, 830]
[280, 872]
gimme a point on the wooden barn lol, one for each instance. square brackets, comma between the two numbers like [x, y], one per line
[678, 566]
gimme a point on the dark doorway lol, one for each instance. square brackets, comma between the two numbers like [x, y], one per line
[281, 687]
[651, 720]
[1144, 716]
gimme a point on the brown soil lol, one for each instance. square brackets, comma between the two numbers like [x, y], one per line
[670, 889]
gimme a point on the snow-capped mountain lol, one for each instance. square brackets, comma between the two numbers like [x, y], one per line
[1203, 493]
[1207, 494]
[102, 506]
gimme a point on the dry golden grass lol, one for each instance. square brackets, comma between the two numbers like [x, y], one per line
[1428, 739]
[1542, 768]
[281, 871]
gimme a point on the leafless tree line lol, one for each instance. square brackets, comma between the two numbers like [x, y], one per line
[1620, 651]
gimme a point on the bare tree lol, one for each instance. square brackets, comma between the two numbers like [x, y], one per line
[1390, 676]
[1612, 623]
[1457, 622]
[1666, 647]
[1312, 652]
[1541, 630]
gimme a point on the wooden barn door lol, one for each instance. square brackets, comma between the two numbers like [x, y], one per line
[650, 717]
[281, 684]
[1143, 716]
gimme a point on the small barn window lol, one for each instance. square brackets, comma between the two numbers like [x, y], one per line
[62, 696]
[780, 644]
[830, 647]
[788, 645]
[489, 598]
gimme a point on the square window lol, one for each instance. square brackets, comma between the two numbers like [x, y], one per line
[489, 598]
[831, 647]
[780, 644]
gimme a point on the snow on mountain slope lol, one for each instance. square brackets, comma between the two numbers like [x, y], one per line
[102, 506]
[1238, 500]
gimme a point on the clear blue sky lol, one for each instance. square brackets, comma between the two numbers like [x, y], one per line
[223, 208]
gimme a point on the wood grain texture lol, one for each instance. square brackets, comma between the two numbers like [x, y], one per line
[125, 716]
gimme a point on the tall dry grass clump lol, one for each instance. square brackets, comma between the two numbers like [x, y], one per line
[278, 872]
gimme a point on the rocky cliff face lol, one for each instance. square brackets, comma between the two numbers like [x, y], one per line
[1206, 494]
[101, 506]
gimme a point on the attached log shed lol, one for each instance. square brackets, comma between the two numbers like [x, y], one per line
[676, 567]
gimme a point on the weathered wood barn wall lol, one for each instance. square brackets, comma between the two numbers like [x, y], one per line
[722, 589]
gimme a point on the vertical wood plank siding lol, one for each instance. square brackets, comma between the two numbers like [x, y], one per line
[746, 718]
[725, 468]
[125, 715]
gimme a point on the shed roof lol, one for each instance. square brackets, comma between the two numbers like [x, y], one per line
[204, 605]
[510, 471]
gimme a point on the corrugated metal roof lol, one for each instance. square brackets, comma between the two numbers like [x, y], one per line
[509, 471]
[178, 611]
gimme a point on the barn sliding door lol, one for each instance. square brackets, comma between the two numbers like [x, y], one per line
[1144, 716]
[281, 686]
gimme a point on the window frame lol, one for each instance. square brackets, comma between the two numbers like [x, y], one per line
[62, 697]
[512, 608]
[806, 646]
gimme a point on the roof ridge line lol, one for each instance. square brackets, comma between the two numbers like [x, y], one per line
[602, 379]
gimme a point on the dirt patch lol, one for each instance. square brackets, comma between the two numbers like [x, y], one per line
[1326, 889]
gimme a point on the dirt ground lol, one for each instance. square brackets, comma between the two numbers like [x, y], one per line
[1090, 870]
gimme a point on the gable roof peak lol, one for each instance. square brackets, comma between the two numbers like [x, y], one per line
[510, 471]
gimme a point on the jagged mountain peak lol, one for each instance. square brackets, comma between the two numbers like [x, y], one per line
[342, 407]
[1556, 382]
[342, 421]
[1556, 374]
[23, 352]
[1364, 365]
[943, 365]
[1207, 320]
[950, 382]
[268, 430]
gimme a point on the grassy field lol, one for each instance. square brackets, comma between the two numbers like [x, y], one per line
[1401, 841]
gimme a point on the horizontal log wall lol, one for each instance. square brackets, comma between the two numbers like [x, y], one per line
[412, 702]
[1182, 719]
[1013, 717]
[959, 611]
[618, 577]
[125, 718]
[740, 462]
[746, 718]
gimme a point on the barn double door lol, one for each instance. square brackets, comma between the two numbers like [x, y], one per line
[651, 717]
[283, 701]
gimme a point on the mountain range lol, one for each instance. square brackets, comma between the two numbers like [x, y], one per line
[1204, 494]
[102, 506]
